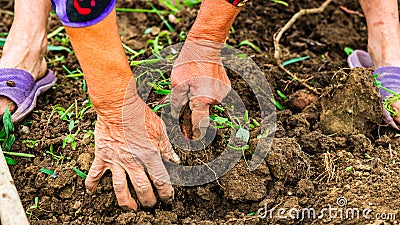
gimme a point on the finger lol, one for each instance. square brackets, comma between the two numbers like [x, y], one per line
[141, 184]
[164, 189]
[200, 116]
[179, 97]
[96, 171]
[121, 190]
[158, 173]
[160, 178]
[167, 152]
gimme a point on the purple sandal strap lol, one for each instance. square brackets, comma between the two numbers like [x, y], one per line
[16, 84]
[360, 58]
[389, 76]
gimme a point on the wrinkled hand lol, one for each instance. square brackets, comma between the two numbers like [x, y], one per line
[199, 77]
[132, 145]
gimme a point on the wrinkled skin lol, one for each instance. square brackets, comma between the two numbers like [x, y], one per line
[200, 78]
[198, 75]
[132, 151]
[133, 142]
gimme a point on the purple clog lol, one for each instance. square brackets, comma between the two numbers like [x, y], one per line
[19, 86]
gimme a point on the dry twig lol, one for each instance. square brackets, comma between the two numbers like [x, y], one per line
[278, 36]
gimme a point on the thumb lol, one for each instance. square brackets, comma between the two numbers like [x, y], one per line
[200, 115]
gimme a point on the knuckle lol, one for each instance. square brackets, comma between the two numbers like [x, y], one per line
[119, 186]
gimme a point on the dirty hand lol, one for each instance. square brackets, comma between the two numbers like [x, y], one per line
[200, 78]
[132, 145]
[198, 74]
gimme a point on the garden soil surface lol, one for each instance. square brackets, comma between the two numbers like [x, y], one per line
[330, 150]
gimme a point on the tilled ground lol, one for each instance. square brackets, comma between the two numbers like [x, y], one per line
[329, 152]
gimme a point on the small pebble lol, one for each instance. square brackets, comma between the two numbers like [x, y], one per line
[25, 129]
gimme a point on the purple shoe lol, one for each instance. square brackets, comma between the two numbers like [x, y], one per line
[389, 76]
[360, 58]
[19, 86]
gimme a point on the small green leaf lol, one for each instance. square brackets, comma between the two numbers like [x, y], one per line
[163, 92]
[46, 171]
[158, 107]
[367, 156]
[256, 123]
[243, 134]
[250, 44]
[219, 108]
[79, 172]
[7, 121]
[191, 3]
[246, 116]
[9, 142]
[283, 96]
[30, 143]
[281, 2]
[71, 125]
[73, 145]
[219, 120]
[10, 161]
[277, 104]
[58, 48]
[348, 50]
[19, 154]
[290, 61]
[349, 168]
[251, 214]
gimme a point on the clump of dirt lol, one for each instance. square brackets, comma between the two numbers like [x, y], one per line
[352, 104]
[301, 99]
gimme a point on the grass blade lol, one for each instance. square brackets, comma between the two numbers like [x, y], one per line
[290, 61]
[19, 154]
[79, 172]
[250, 44]
[46, 171]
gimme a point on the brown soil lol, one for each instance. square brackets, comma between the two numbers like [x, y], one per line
[326, 147]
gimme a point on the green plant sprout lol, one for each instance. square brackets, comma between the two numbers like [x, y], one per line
[73, 74]
[280, 2]
[191, 3]
[88, 134]
[46, 171]
[348, 50]
[7, 139]
[250, 44]
[294, 60]
[173, 7]
[32, 207]
[70, 139]
[30, 143]
[57, 158]
[79, 172]
[282, 95]
[134, 53]
[170, 28]
[157, 45]
[277, 104]
[387, 102]
[158, 107]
